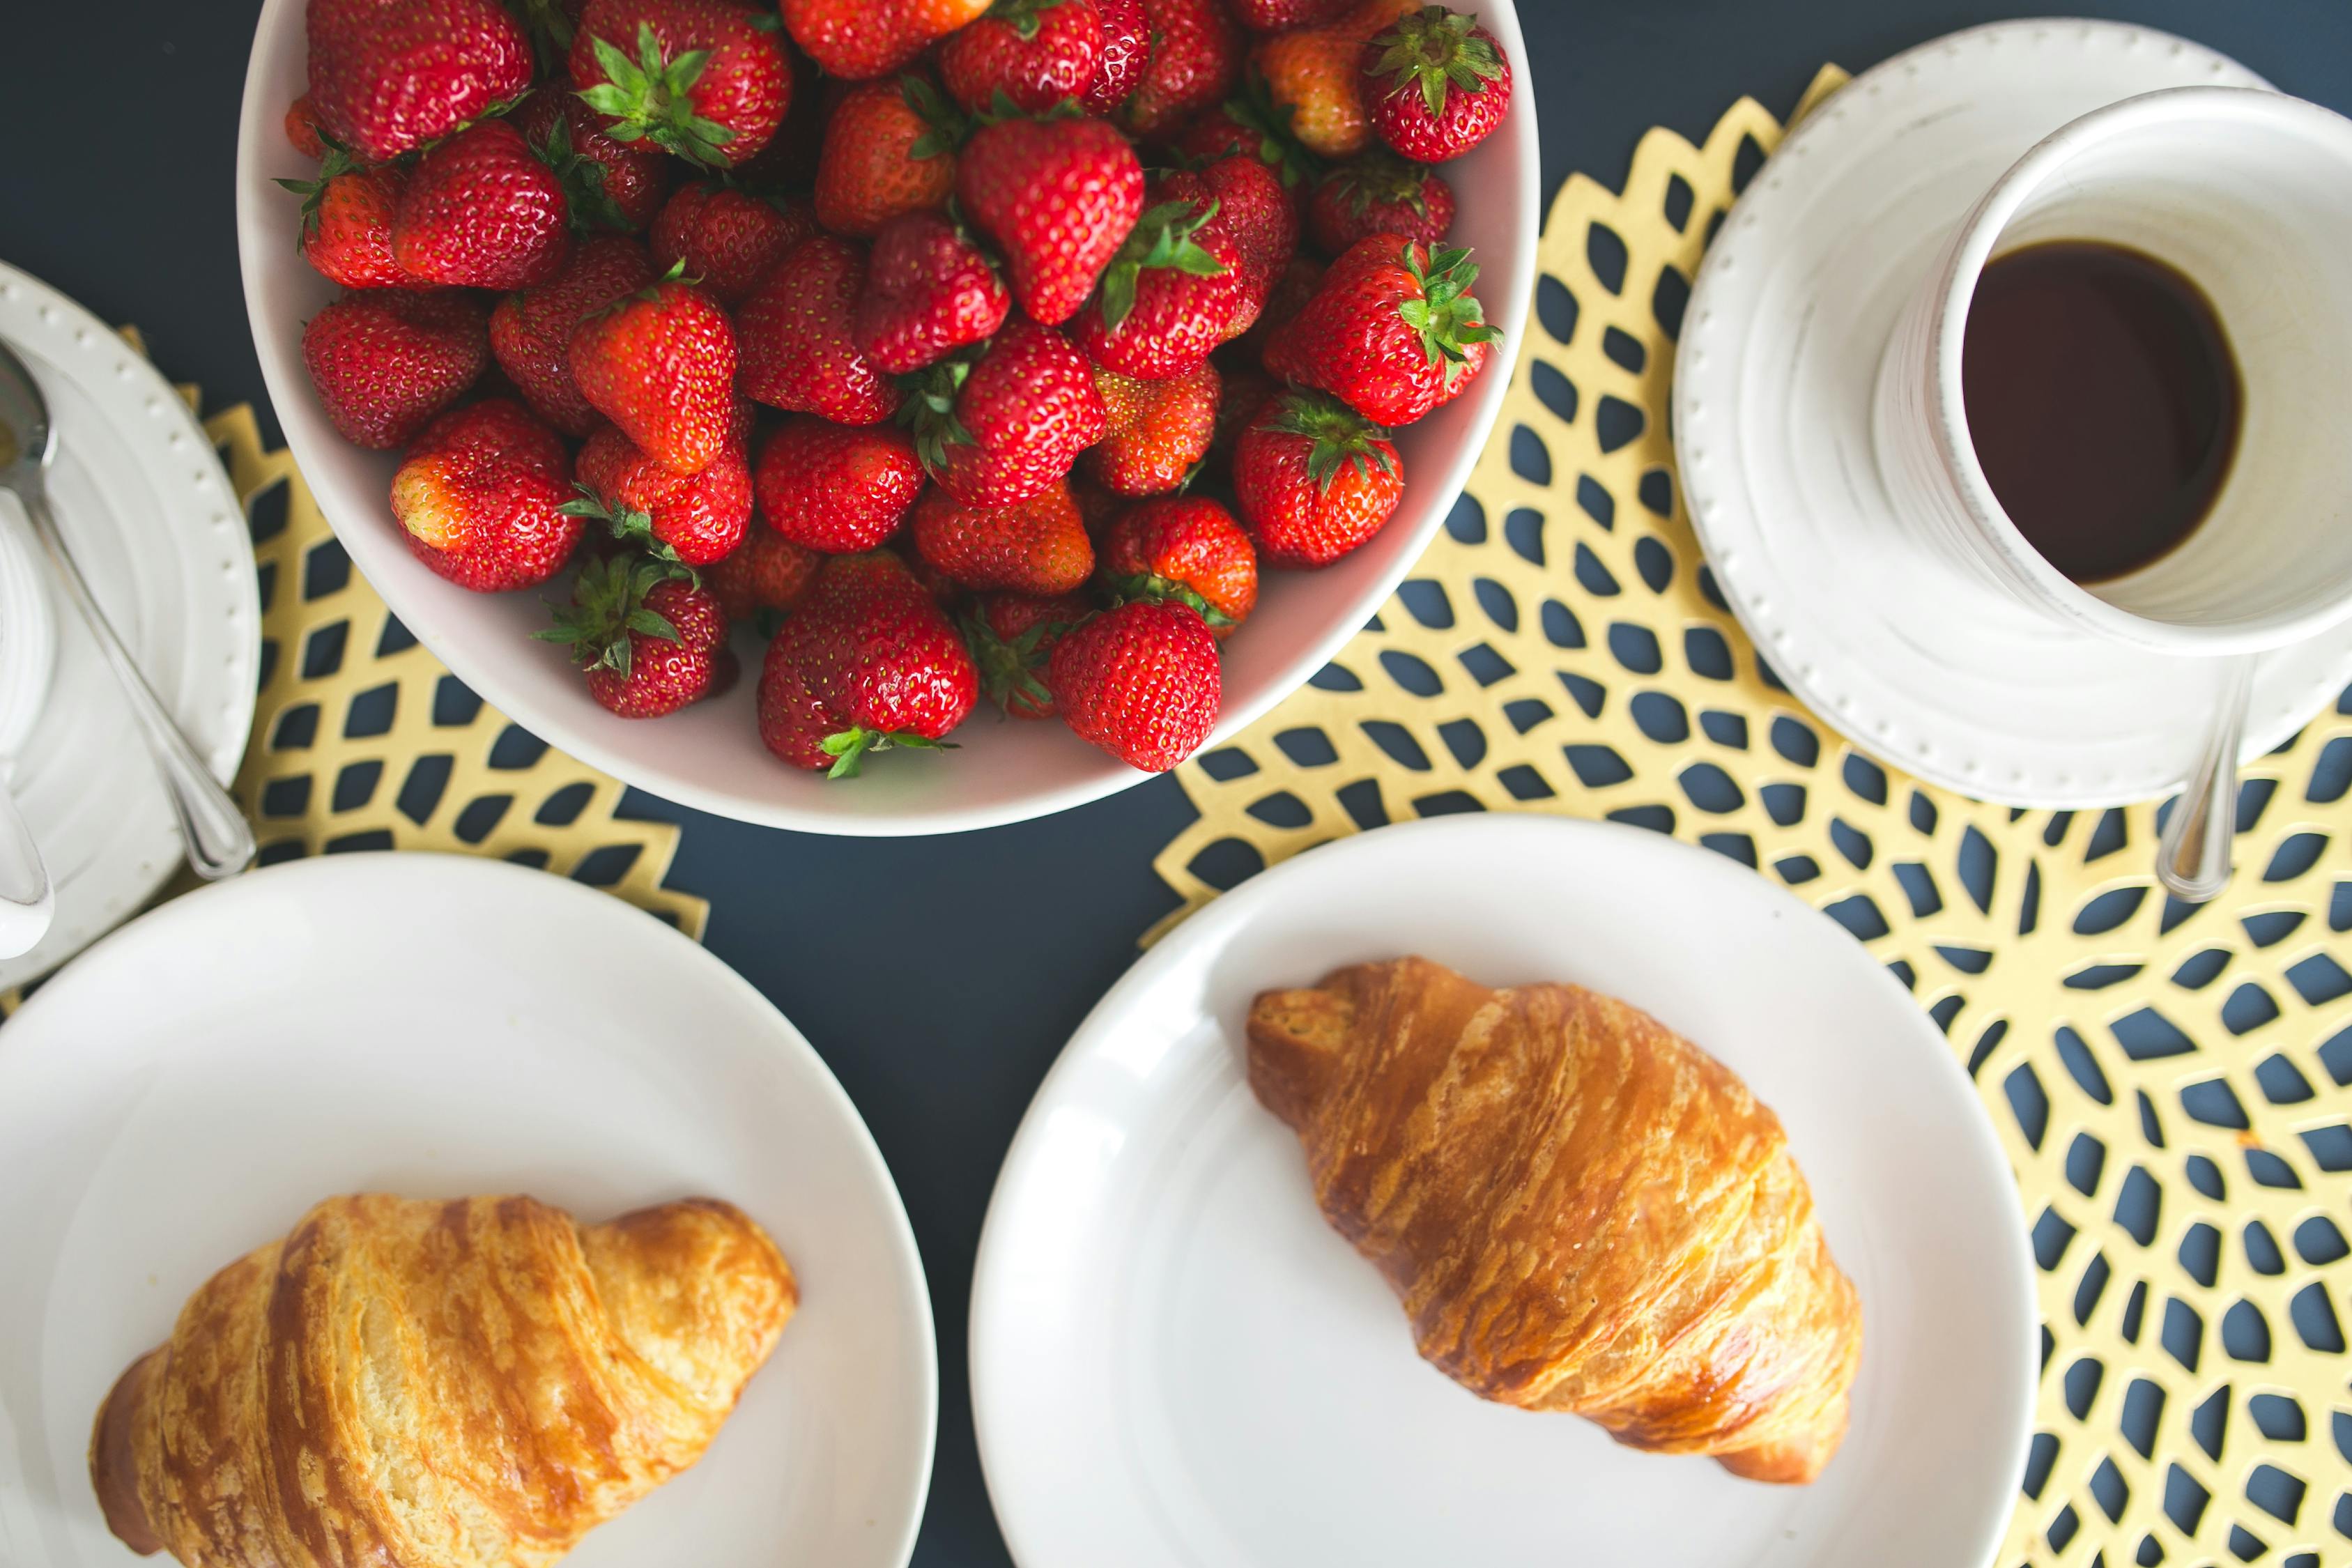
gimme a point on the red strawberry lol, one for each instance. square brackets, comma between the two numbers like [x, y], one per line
[727, 240]
[1439, 86]
[861, 38]
[1170, 296]
[1059, 196]
[1034, 546]
[1248, 389]
[1097, 505]
[1036, 52]
[1393, 331]
[607, 184]
[660, 364]
[1186, 550]
[1296, 285]
[694, 519]
[766, 572]
[388, 76]
[1196, 58]
[1012, 636]
[928, 292]
[530, 331]
[1140, 682]
[1126, 55]
[1314, 479]
[1281, 16]
[798, 354]
[704, 78]
[1314, 81]
[387, 361]
[998, 428]
[302, 129]
[1157, 430]
[649, 642]
[1248, 124]
[837, 488]
[480, 497]
[347, 223]
[889, 148]
[482, 212]
[1379, 193]
[865, 663]
[1256, 212]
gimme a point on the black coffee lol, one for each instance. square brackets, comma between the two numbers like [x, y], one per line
[2103, 400]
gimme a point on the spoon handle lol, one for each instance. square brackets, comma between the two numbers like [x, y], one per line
[26, 901]
[2192, 855]
[213, 831]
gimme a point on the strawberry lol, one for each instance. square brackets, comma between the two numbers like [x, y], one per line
[1248, 122]
[1393, 331]
[704, 78]
[929, 290]
[1036, 52]
[999, 427]
[1246, 390]
[1140, 682]
[867, 662]
[649, 642]
[1281, 16]
[481, 211]
[347, 223]
[1011, 637]
[1314, 478]
[836, 488]
[1126, 55]
[1034, 546]
[386, 362]
[858, 40]
[1253, 207]
[531, 330]
[660, 363]
[302, 129]
[798, 351]
[1379, 193]
[1313, 78]
[1297, 283]
[388, 76]
[1440, 84]
[1196, 58]
[945, 591]
[607, 184]
[693, 518]
[766, 572]
[1059, 196]
[1096, 505]
[480, 497]
[1184, 550]
[888, 149]
[727, 240]
[1169, 296]
[1156, 431]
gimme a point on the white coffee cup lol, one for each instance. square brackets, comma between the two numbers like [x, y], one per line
[2249, 194]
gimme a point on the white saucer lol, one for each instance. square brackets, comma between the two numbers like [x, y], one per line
[1791, 309]
[432, 1026]
[1176, 1363]
[141, 497]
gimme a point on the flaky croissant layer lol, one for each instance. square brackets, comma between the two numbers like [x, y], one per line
[1580, 1210]
[464, 1384]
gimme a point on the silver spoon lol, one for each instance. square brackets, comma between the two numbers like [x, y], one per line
[2192, 855]
[218, 842]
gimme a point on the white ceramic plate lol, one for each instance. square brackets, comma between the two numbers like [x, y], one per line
[1947, 680]
[142, 500]
[438, 1026]
[710, 756]
[1176, 1362]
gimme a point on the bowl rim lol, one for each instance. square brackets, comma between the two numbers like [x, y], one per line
[278, 347]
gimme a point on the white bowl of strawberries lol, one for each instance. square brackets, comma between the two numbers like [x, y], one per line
[885, 416]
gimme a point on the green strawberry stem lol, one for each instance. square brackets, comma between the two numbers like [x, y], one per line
[929, 410]
[1384, 178]
[1162, 236]
[1021, 16]
[1009, 669]
[608, 603]
[948, 126]
[1338, 436]
[848, 748]
[1432, 50]
[1278, 144]
[1447, 316]
[1150, 587]
[590, 205]
[645, 98]
[629, 526]
[339, 160]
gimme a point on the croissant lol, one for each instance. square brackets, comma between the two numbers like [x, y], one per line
[467, 1384]
[1580, 1210]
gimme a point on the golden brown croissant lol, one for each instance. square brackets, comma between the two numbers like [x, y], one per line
[1581, 1210]
[467, 1384]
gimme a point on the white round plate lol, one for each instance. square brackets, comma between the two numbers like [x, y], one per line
[710, 756]
[1943, 677]
[139, 495]
[1176, 1363]
[437, 1026]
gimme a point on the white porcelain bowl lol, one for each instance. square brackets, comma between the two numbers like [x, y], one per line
[710, 756]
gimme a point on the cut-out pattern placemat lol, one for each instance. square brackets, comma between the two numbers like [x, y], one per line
[2168, 1081]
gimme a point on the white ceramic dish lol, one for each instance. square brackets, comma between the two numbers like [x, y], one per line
[1176, 1363]
[710, 757]
[1951, 679]
[434, 1026]
[28, 636]
[141, 497]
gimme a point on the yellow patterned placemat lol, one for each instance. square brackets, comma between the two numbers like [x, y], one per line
[2168, 1081]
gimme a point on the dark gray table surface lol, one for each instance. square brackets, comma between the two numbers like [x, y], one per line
[938, 976]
